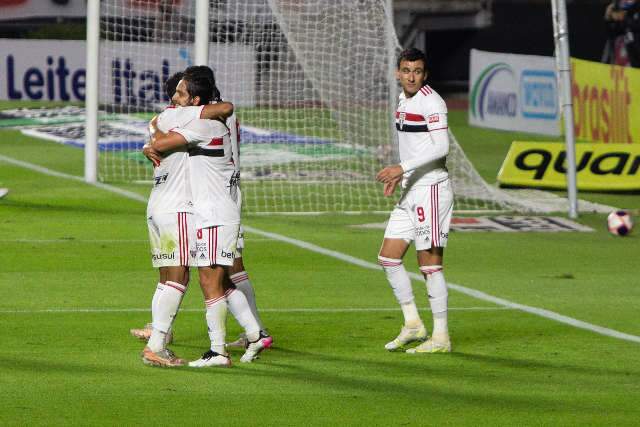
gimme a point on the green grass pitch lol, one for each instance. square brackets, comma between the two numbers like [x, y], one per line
[75, 276]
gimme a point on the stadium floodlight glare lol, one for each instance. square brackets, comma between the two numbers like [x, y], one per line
[313, 82]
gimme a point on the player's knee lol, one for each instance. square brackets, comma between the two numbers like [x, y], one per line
[390, 264]
[428, 270]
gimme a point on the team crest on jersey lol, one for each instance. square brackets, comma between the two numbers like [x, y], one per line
[401, 118]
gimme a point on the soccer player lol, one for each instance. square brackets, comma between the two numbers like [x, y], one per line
[171, 229]
[424, 210]
[218, 217]
[237, 272]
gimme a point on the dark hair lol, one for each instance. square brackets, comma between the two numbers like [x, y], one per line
[171, 83]
[412, 54]
[199, 86]
[202, 71]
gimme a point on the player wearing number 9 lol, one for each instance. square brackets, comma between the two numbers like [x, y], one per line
[423, 213]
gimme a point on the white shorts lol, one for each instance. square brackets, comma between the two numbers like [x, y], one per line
[173, 239]
[240, 245]
[423, 215]
[216, 245]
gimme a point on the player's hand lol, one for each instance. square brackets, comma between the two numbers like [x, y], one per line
[152, 154]
[153, 127]
[389, 174]
[390, 188]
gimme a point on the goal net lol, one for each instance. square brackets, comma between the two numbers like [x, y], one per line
[314, 89]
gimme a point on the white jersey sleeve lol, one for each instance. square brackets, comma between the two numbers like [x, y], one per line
[177, 117]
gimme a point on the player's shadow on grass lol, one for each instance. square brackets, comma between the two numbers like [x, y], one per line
[539, 364]
[471, 390]
[48, 365]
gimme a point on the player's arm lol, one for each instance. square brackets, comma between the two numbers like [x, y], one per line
[161, 144]
[439, 148]
[153, 126]
[164, 142]
[217, 111]
[150, 153]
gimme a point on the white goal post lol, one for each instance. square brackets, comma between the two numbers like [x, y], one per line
[313, 85]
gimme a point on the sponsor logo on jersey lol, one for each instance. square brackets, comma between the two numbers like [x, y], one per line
[160, 179]
[434, 118]
[225, 254]
[401, 117]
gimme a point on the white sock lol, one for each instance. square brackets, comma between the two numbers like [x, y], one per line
[438, 296]
[154, 300]
[241, 280]
[216, 323]
[239, 307]
[401, 285]
[167, 304]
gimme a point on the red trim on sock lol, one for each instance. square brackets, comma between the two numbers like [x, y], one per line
[176, 286]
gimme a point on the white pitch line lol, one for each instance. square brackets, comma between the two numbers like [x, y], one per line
[262, 310]
[547, 314]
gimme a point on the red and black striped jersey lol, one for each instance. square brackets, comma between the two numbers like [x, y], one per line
[416, 118]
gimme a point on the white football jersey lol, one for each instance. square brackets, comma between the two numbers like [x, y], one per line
[211, 172]
[234, 135]
[424, 112]
[171, 190]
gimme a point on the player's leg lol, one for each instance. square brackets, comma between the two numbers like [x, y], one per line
[165, 306]
[154, 239]
[240, 279]
[170, 253]
[236, 300]
[212, 275]
[397, 237]
[430, 259]
[145, 332]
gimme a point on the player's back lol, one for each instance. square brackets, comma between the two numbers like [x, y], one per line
[171, 190]
[211, 171]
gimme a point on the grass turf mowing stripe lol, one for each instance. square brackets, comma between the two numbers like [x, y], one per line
[266, 310]
[362, 263]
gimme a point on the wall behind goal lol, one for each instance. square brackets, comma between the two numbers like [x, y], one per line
[55, 70]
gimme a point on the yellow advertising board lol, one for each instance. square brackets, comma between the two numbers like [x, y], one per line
[606, 102]
[599, 166]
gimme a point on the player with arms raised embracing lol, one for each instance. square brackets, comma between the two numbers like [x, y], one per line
[217, 212]
[171, 225]
[424, 210]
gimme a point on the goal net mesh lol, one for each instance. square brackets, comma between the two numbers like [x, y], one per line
[313, 85]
